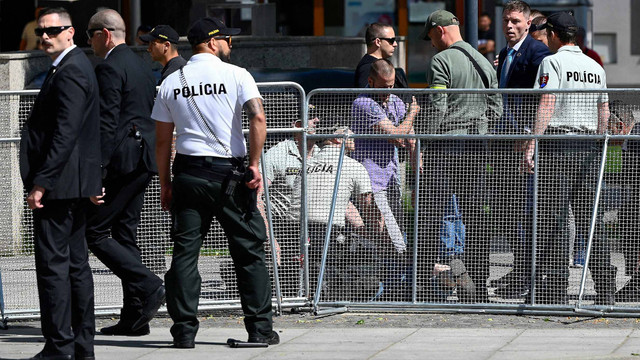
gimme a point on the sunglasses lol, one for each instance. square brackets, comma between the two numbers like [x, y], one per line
[225, 38]
[90, 32]
[51, 30]
[389, 40]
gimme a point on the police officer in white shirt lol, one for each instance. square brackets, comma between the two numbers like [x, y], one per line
[203, 101]
[568, 168]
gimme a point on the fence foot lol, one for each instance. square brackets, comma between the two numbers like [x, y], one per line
[330, 311]
[4, 325]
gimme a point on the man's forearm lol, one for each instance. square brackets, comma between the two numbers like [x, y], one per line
[257, 129]
[164, 139]
[545, 111]
[603, 117]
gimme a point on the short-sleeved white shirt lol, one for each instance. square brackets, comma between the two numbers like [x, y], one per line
[283, 164]
[569, 68]
[220, 90]
[322, 169]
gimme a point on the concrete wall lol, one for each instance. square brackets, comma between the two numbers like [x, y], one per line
[614, 16]
[17, 69]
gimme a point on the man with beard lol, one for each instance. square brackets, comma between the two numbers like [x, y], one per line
[203, 101]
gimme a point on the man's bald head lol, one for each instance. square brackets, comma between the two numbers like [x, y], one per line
[109, 19]
[382, 68]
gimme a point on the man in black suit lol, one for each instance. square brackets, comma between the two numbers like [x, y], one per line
[517, 68]
[127, 88]
[60, 168]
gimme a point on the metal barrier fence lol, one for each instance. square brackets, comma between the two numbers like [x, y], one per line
[475, 229]
[418, 258]
[283, 103]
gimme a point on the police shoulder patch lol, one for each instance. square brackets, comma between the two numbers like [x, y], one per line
[544, 79]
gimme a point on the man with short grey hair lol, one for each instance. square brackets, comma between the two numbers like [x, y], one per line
[127, 88]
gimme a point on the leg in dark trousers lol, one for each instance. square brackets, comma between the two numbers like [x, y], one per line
[583, 200]
[455, 167]
[120, 216]
[65, 283]
[195, 202]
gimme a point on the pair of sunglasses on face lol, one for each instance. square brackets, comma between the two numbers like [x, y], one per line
[51, 30]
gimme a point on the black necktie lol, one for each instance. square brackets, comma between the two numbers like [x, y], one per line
[50, 73]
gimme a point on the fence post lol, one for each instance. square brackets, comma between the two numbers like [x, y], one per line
[594, 215]
[327, 237]
[534, 226]
[304, 234]
[416, 210]
[272, 237]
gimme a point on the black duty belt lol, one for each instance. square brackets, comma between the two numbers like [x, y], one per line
[206, 167]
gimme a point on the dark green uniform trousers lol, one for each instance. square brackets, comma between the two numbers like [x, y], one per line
[195, 202]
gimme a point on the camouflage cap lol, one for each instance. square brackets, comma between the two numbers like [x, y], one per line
[438, 18]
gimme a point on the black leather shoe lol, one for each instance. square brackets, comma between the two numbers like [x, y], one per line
[505, 280]
[150, 307]
[41, 356]
[184, 343]
[124, 330]
[272, 339]
[85, 356]
[630, 292]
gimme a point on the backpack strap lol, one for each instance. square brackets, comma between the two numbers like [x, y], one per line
[483, 76]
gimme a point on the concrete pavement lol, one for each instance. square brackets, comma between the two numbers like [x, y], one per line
[373, 336]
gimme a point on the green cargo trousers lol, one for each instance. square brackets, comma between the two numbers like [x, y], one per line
[195, 202]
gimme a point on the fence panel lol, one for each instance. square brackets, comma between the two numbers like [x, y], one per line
[396, 233]
[283, 103]
[489, 232]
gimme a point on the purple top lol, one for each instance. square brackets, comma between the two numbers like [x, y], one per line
[378, 156]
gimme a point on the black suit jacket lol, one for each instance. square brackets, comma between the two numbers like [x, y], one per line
[127, 89]
[524, 67]
[60, 143]
[519, 110]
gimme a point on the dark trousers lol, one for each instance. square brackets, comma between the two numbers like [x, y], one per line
[510, 205]
[120, 216]
[568, 177]
[456, 167]
[65, 284]
[196, 201]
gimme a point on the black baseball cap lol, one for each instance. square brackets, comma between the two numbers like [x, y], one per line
[561, 21]
[206, 28]
[161, 32]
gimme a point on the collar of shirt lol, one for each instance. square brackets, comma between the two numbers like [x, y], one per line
[62, 55]
[203, 57]
[109, 53]
[292, 148]
[570, 48]
[516, 47]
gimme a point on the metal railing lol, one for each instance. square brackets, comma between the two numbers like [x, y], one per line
[572, 293]
[345, 266]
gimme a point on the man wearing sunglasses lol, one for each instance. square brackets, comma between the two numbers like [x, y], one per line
[203, 102]
[381, 44]
[127, 88]
[60, 168]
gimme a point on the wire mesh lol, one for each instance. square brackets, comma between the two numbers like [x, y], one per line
[283, 105]
[370, 257]
[477, 193]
